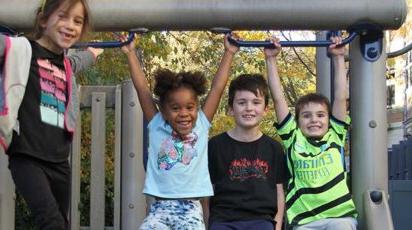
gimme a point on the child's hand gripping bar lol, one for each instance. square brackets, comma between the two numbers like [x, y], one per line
[110, 44]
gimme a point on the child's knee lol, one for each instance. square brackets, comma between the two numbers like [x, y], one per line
[152, 224]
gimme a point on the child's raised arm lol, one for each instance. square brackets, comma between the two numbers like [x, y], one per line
[220, 80]
[139, 81]
[338, 57]
[81, 60]
[281, 106]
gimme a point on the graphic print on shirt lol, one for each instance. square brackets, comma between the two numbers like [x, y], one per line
[53, 93]
[315, 161]
[242, 169]
[176, 150]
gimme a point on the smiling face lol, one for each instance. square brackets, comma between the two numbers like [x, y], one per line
[247, 109]
[314, 120]
[63, 28]
[180, 110]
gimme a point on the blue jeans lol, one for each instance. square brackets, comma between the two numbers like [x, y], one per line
[243, 225]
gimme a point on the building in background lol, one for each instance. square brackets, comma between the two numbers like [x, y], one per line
[399, 84]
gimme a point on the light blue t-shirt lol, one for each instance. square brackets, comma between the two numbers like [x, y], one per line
[176, 168]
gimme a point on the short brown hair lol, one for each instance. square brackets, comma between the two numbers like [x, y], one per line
[254, 83]
[50, 6]
[311, 98]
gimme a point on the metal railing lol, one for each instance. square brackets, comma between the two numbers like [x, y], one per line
[129, 203]
[400, 183]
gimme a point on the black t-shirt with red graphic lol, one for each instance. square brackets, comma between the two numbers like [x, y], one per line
[244, 175]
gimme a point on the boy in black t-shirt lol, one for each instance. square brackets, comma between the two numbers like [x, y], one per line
[246, 166]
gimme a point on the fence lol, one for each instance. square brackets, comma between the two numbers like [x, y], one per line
[400, 184]
[129, 203]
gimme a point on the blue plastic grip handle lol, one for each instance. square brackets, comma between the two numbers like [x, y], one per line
[268, 44]
[108, 44]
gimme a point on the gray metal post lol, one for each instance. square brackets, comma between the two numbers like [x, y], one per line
[323, 74]
[133, 203]
[117, 158]
[75, 162]
[7, 196]
[369, 132]
[98, 150]
[206, 14]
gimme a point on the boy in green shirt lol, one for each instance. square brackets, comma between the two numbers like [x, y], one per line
[317, 193]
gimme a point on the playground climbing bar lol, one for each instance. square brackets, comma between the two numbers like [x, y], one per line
[123, 15]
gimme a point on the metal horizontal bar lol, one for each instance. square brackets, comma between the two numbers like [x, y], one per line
[402, 51]
[105, 44]
[123, 15]
[87, 91]
[268, 44]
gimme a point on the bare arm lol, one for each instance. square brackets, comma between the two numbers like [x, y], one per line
[205, 206]
[139, 81]
[339, 103]
[281, 206]
[281, 106]
[219, 81]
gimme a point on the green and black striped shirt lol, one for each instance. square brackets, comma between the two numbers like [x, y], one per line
[317, 188]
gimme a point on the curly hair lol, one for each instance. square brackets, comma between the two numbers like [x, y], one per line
[254, 83]
[168, 81]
